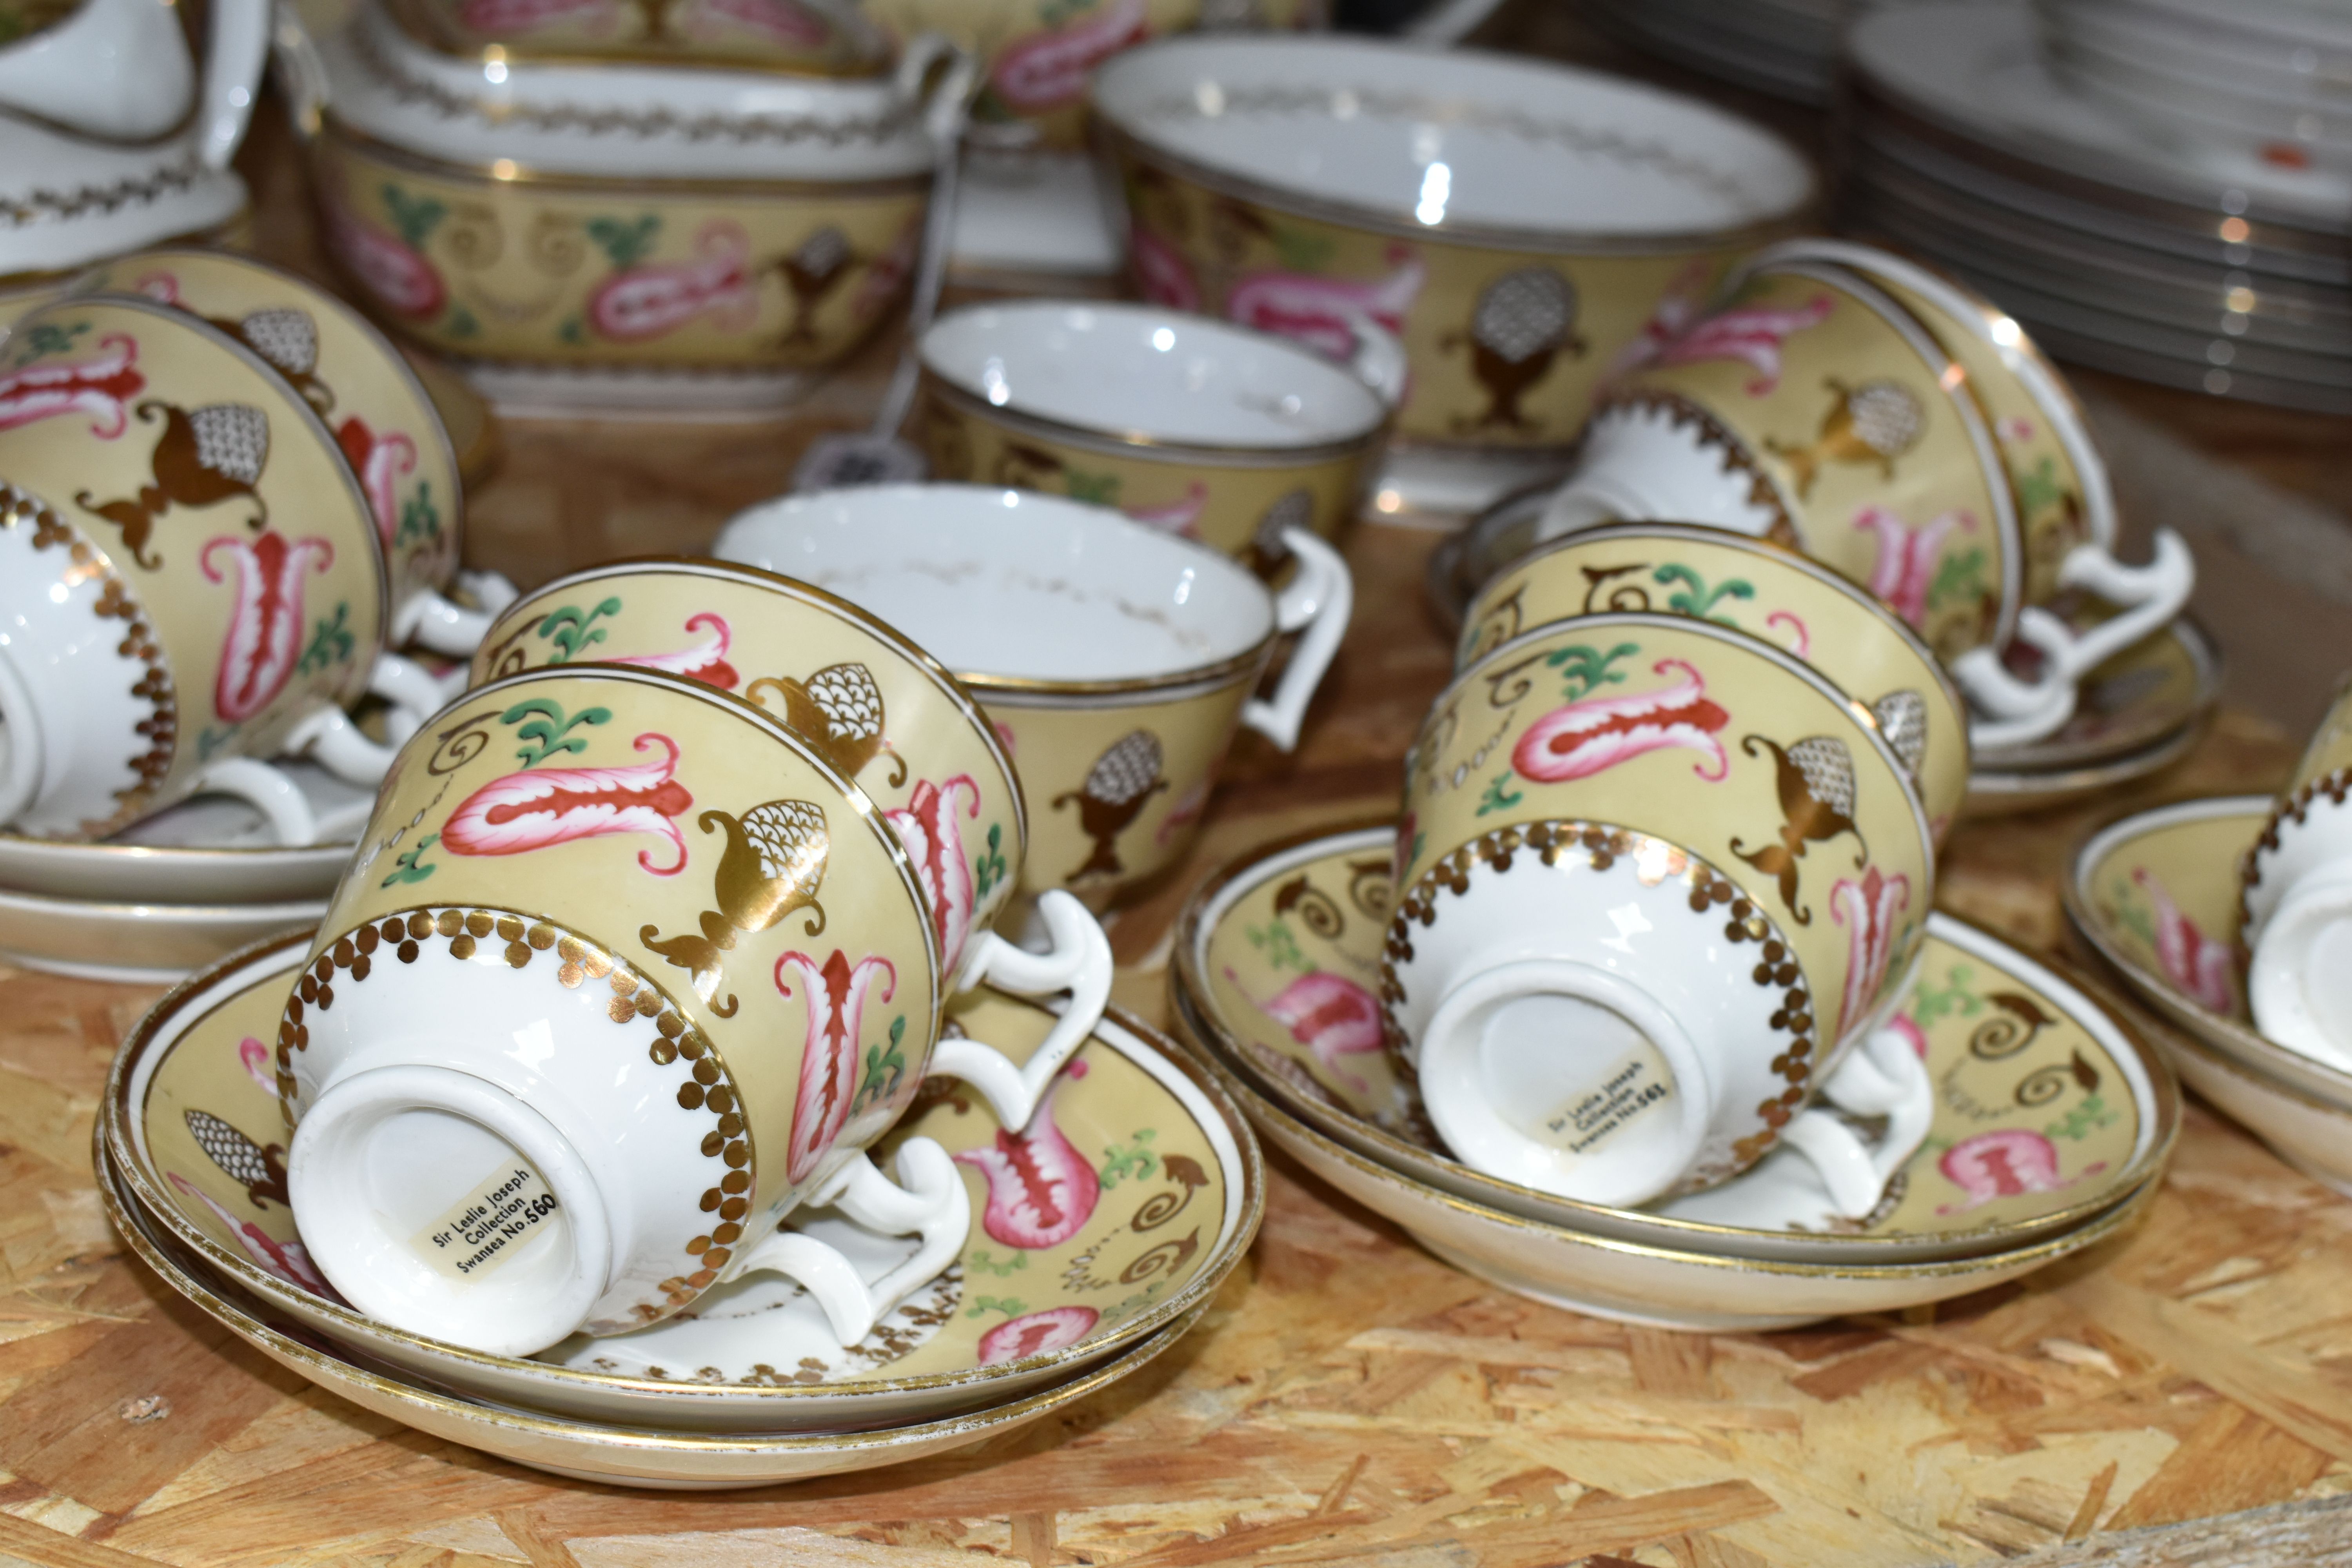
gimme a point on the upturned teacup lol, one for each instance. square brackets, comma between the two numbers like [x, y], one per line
[884, 713]
[1653, 878]
[2295, 892]
[383, 421]
[627, 969]
[189, 579]
[1117, 662]
[1812, 408]
[1214, 432]
[1765, 590]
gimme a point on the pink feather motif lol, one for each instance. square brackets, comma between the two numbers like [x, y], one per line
[2194, 961]
[927, 827]
[782, 20]
[639, 304]
[380, 462]
[1036, 1333]
[1676, 308]
[1753, 336]
[495, 17]
[1594, 735]
[706, 661]
[1867, 908]
[836, 995]
[254, 1057]
[1330, 1014]
[393, 270]
[1906, 568]
[1040, 1189]
[538, 808]
[265, 628]
[1162, 273]
[101, 387]
[286, 1260]
[1180, 516]
[1049, 69]
[1320, 312]
[2006, 1163]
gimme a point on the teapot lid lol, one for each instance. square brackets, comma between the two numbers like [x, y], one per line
[796, 38]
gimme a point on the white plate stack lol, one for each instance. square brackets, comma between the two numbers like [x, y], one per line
[2095, 198]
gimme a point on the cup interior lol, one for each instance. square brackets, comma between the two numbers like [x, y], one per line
[1148, 374]
[1010, 586]
[1457, 139]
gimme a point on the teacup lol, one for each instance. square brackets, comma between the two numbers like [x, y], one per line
[1463, 201]
[1813, 409]
[1214, 432]
[1688, 852]
[629, 968]
[189, 579]
[1766, 591]
[1117, 662]
[383, 421]
[880, 711]
[2295, 893]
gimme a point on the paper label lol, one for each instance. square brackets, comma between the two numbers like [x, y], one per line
[482, 1232]
[1621, 1096]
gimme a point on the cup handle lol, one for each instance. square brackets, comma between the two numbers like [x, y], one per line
[437, 625]
[235, 54]
[2015, 712]
[1321, 596]
[1379, 360]
[1080, 962]
[336, 745]
[929, 1199]
[268, 790]
[1884, 1077]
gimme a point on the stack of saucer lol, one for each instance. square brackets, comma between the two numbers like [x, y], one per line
[288, 513]
[1852, 403]
[2097, 194]
[2230, 918]
[1786, 47]
[1078, 1273]
[2050, 1124]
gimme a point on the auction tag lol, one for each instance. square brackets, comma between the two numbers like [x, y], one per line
[482, 1231]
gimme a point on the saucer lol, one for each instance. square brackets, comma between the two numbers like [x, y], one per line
[2155, 894]
[1134, 1193]
[212, 849]
[136, 944]
[1994, 793]
[612, 1453]
[2048, 1111]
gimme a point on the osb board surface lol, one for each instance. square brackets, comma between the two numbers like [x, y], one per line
[1349, 1400]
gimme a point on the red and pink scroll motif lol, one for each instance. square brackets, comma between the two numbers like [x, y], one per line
[286, 1260]
[380, 462]
[1867, 908]
[1037, 1333]
[705, 661]
[1676, 308]
[929, 829]
[1905, 567]
[101, 388]
[265, 625]
[782, 20]
[254, 1057]
[540, 808]
[1162, 273]
[658, 298]
[1180, 516]
[836, 994]
[392, 270]
[497, 18]
[1321, 311]
[1753, 336]
[1041, 1189]
[2004, 1165]
[1330, 1014]
[2194, 961]
[1593, 735]
[1046, 70]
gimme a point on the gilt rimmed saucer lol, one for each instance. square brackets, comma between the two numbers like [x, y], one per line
[610, 1453]
[136, 944]
[2049, 1112]
[1131, 1195]
[2155, 895]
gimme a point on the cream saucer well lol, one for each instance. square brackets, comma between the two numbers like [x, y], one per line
[210, 850]
[582, 1450]
[2155, 894]
[1134, 1192]
[2049, 1112]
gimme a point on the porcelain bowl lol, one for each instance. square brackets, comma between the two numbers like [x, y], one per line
[1527, 228]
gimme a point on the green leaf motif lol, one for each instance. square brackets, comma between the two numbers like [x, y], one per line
[460, 323]
[2079, 1122]
[548, 732]
[409, 871]
[331, 642]
[1499, 798]
[1588, 667]
[1096, 489]
[1133, 1158]
[982, 1261]
[982, 1305]
[2041, 488]
[571, 630]
[988, 868]
[885, 1068]
[1959, 579]
[1301, 251]
[414, 217]
[625, 242]
[1696, 598]
[419, 518]
[43, 339]
[1279, 944]
[1957, 997]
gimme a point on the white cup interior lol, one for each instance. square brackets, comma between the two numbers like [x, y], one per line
[1138, 371]
[1011, 585]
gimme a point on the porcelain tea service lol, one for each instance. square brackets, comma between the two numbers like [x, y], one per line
[2296, 899]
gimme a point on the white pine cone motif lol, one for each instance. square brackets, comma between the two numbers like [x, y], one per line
[823, 253]
[1903, 720]
[232, 440]
[287, 339]
[1292, 509]
[790, 838]
[1126, 769]
[852, 704]
[232, 1151]
[1828, 768]
[1886, 418]
[1522, 314]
